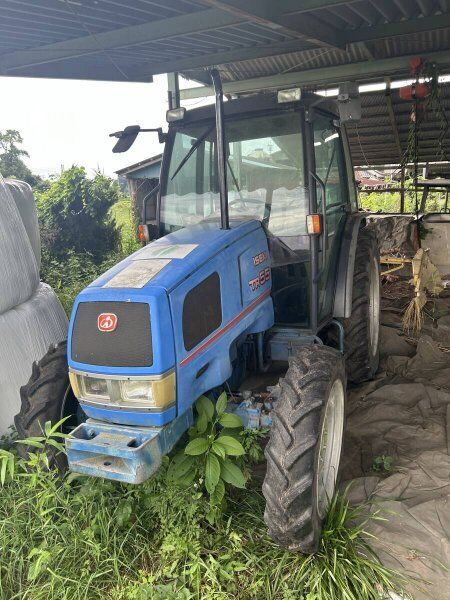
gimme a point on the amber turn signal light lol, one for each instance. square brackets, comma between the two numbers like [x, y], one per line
[314, 224]
[142, 232]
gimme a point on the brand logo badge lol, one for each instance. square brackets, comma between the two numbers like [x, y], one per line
[107, 322]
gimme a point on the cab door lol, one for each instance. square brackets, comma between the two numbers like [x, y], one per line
[330, 174]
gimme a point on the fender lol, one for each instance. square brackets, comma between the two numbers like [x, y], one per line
[344, 280]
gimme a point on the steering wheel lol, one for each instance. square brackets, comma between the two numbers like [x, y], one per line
[244, 201]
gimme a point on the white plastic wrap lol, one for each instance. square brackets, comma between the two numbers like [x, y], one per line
[26, 333]
[19, 272]
[26, 204]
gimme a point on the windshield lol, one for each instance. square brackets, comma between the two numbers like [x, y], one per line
[265, 175]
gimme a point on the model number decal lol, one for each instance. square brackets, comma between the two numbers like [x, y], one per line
[259, 280]
[259, 258]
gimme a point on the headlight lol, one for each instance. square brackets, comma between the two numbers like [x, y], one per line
[94, 387]
[130, 393]
[136, 391]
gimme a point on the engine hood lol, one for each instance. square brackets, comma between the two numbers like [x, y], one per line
[168, 261]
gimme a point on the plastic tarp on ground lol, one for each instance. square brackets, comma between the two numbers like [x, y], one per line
[19, 271]
[31, 316]
[396, 234]
[405, 415]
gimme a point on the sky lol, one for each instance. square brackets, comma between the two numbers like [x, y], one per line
[66, 122]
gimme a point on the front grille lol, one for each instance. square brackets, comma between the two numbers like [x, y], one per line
[130, 345]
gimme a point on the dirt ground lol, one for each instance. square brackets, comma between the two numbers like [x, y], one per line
[397, 445]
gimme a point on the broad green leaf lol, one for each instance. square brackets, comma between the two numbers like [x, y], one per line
[202, 423]
[212, 472]
[60, 447]
[180, 465]
[219, 493]
[198, 446]
[188, 478]
[232, 474]
[204, 404]
[232, 446]
[230, 420]
[221, 403]
[234, 433]
[35, 442]
[218, 449]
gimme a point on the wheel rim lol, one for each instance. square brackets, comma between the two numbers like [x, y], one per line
[374, 307]
[330, 443]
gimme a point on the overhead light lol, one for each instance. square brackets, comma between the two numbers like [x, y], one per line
[318, 143]
[331, 137]
[175, 114]
[291, 95]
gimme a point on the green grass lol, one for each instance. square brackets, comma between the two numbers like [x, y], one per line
[78, 538]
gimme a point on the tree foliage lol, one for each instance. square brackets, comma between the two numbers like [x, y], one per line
[74, 215]
[11, 158]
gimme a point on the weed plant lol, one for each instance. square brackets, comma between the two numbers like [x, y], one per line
[66, 537]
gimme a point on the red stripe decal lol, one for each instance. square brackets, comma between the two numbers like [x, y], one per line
[226, 327]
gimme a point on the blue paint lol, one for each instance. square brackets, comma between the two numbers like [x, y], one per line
[128, 454]
[125, 417]
[246, 308]
[161, 325]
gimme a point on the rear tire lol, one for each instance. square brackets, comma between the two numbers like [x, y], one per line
[362, 328]
[48, 397]
[299, 482]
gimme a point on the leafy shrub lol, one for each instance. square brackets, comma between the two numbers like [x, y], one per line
[209, 457]
[74, 214]
[71, 275]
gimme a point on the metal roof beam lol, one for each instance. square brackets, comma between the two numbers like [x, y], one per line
[124, 37]
[361, 71]
[227, 56]
[400, 28]
[283, 16]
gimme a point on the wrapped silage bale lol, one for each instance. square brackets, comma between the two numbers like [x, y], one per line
[26, 205]
[19, 271]
[26, 333]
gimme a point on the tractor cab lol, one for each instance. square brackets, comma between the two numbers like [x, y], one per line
[284, 161]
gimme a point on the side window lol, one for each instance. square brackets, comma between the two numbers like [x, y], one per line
[331, 168]
[189, 194]
[202, 311]
[330, 161]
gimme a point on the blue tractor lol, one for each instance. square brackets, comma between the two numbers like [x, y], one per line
[261, 280]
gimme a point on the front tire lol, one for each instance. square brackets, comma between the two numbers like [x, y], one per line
[304, 449]
[48, 397]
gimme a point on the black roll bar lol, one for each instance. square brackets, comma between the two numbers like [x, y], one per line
[221, 150]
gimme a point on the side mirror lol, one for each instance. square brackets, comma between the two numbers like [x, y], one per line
[126, 137]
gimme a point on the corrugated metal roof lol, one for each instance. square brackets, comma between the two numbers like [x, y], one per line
[130, 40]
[373, 141]
[107, 38]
